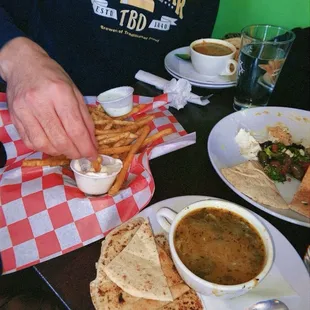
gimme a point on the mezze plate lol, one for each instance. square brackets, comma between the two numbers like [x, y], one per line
[224, 151]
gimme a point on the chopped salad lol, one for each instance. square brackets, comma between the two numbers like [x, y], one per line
[281, 160]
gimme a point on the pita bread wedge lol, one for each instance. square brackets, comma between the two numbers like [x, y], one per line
[106, 295]
[188, 301]
[162, 242]
[250, 179]
[118, 239]
[137, 269]
[301, 200]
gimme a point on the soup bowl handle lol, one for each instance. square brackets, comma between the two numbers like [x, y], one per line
[165, 217]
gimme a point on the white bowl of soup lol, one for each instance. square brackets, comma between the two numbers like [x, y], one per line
[219, 248]
[213, 57]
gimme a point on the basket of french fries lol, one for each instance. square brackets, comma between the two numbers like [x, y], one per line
[39, 193]
[117, 137]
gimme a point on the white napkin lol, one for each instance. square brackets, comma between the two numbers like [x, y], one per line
[178, 90]
[273, 286]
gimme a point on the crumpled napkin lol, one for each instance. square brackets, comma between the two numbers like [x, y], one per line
[273, 286]
[179, 91]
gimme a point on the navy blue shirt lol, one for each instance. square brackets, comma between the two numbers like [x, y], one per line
[102, 43]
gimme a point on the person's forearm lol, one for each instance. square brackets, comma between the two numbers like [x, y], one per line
[16, 51]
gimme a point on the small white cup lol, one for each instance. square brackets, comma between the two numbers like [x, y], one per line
[169, 220]
[96, 184]
[117, 101]
[213, 65]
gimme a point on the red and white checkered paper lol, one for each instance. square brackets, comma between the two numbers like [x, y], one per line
[42, 212]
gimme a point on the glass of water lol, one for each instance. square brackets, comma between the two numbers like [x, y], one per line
[263, 51]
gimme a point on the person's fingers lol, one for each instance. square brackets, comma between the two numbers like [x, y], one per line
[55, 132]
[70, 116]
[86, 116]
[21, 131]
[36, 134]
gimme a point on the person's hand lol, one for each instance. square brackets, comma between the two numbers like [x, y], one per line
[45, 106]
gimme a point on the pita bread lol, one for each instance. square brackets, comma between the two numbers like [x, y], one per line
[106, 295]
[188, 301]
[137, 269]
[250, 179]
[301, 200]
[236, 42]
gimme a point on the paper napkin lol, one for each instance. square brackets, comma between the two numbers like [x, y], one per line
[273, 286]
[178, 90]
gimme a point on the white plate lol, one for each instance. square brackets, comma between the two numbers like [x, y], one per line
[224, 152]
[211, 86]
[286, 256]
[184, 69]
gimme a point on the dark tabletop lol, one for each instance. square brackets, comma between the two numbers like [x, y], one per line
[189, 172]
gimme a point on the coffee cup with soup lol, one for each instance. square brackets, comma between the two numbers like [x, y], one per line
[213, 57]
[219, 248]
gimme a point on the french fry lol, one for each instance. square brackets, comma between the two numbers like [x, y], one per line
[126, 148]
[130, 128]
[52, 162]
[96, 164]
[114, 138]
[144, 120]
[113, 150]
[108, 126]
[107, 135]
[114, 122]
[126, 134]
[98, 113]
[100, 108]
[123, 142]
[133, 150]
[123, 156]
[157, 135]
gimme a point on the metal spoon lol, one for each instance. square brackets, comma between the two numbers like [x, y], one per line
[271, 304]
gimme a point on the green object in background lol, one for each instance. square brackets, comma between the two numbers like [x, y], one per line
[184, 56]
[234, 15]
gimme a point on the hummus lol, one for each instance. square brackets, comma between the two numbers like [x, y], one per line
[248, 145]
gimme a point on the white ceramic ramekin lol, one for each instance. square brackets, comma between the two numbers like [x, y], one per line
[96, 184]
[117, 101]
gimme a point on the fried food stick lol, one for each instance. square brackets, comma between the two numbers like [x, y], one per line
[96, 164]
[126, 148]
[50, 161]
[133, 150]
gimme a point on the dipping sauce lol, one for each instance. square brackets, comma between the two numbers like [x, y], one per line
[117, 101]
[212, 49]
[219, 246]
[106, 169]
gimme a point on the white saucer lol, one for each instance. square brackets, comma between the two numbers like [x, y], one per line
[201, 85]
[183, 69]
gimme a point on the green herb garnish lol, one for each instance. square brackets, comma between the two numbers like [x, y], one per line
[184, 56]
[274, 173]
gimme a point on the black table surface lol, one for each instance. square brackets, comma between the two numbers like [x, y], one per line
[184, 172]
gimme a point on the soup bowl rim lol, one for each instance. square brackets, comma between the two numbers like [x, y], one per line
[211, 40]
[232, 207]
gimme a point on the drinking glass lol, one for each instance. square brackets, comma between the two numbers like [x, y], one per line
[263, 51]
